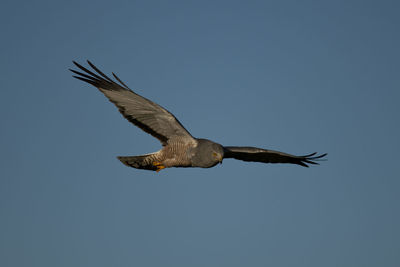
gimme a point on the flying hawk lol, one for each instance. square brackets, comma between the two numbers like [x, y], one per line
[180, 148]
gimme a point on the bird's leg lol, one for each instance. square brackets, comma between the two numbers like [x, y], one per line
[158, 165]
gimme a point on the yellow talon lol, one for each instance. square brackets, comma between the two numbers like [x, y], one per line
[159, 166]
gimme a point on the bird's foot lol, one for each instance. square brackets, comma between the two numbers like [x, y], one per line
[158, 165]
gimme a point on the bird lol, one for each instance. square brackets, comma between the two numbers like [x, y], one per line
[179, 147]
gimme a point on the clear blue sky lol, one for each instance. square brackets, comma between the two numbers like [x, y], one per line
[295, 76]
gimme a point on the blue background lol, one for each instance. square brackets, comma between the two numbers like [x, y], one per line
[294, 76]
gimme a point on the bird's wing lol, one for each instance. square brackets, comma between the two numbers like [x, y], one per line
[269, 156]
[142, 112]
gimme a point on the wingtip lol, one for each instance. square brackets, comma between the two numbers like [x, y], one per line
[78, 65]
[320, 157]
[303, 164]
[119, 80]
[74, 71]
[90, 63]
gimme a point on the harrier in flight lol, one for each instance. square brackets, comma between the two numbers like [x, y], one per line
[180, 148]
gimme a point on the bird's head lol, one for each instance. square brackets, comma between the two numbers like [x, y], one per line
[208, 154]
[218, 153]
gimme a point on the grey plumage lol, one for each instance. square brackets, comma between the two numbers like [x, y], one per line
[268, 156]
[180, 148]
[201, 154]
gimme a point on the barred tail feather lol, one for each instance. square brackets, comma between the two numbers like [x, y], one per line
[139, 162]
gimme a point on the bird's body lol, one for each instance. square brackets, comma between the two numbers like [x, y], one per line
[178, 153]
[180, 148]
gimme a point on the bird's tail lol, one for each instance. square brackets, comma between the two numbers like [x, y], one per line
[145, 162]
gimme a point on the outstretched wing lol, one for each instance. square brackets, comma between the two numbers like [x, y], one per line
[142, 112]
[269, 156]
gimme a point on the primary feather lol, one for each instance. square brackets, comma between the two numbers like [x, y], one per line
[142, 112]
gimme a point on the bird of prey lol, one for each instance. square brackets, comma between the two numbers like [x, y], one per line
[180, 148]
